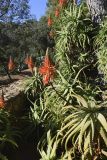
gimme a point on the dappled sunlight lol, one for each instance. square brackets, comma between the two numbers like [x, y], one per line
[53, 80]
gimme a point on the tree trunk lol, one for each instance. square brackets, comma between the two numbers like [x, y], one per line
[98, 9]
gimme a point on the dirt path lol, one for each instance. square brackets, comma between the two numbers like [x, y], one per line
[4, 80]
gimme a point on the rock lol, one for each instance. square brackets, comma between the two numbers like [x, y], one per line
[14, 96]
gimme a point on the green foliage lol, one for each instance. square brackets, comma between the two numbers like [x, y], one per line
[4, 6]
[2, 157]
[33, 90]
[33, 84]
[20, 33]
[7, 132]
[50, 153]
[101, 48]
[85, 126]
[51, 111]
[74, 35]
[20, 39]
[71, 107]
[48, 150]
[14, 10]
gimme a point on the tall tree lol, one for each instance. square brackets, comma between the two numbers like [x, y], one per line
[14, 10]
[4, 6]
[10, 11]
[98, 9]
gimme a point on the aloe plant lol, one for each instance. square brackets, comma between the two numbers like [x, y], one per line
[85, 127]
[50, 152]
[101, 49]
[8, 133]
[71, 106]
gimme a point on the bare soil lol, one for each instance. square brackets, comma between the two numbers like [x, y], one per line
[4, 80]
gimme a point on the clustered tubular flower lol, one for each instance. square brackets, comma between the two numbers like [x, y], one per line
[26, 60]
[2, 101]
[57, 12]
[47, 70]
[31, 64]
[49, 21]
[11, 64]
[62, 2]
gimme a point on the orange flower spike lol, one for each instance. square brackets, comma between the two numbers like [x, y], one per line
[31, 64]
[46, 79]
[2, 101]
[11, 64]
[49, 21]
[62, 2]
[43, 70]
[49, 75]
[26, 59]
[47, 70]
[47, 62]
[57, 12]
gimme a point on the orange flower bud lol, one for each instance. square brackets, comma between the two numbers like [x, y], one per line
[26, 59]
[31, 64]
[2, 101]
[11, 64]
[50, 21]
[47, 70]
[57, 12]
[62, 2]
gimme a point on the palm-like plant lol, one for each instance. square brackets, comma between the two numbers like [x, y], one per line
[85, 127]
